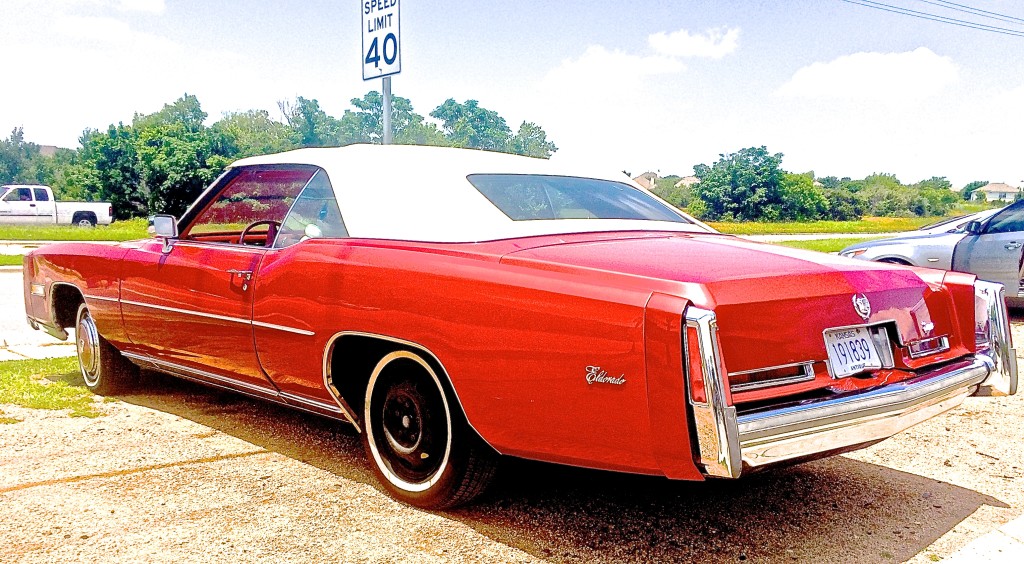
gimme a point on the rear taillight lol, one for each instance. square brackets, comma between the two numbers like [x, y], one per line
[986, 311]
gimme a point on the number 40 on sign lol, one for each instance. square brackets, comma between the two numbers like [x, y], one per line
[381, 38]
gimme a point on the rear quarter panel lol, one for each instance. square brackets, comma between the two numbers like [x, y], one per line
[516, 342]
[92, 269]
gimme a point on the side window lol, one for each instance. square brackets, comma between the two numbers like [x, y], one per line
[19, 195]
[1007, 221]
[253, 194]
[41, 195]
[314, 214]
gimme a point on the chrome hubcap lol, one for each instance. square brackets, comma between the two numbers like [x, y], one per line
[88, 349]
[402, 423]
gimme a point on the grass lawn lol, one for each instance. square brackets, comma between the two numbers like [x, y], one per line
[825, 245]
[118, 231]
[54, 383]
[866, 225]
[10, 260]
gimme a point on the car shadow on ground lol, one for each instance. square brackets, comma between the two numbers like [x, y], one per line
[837, 509]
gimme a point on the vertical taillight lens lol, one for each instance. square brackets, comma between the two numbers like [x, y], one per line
[985, 294]
[694, 366]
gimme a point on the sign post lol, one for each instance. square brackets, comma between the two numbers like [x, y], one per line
[382, 55]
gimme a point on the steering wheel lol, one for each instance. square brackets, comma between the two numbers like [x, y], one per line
[272, 227]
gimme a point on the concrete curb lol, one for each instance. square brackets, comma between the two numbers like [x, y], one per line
[1005, 544]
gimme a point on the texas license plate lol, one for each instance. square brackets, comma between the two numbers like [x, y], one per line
[850, 351]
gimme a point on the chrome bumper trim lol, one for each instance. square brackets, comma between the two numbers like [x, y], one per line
[1001, 356]
[728, 442]
[852, 419]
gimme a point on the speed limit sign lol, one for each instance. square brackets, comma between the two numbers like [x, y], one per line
[382, 53]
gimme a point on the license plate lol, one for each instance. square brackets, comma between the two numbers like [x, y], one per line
[850, 351]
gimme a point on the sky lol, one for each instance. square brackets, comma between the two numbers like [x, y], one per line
[839, 88]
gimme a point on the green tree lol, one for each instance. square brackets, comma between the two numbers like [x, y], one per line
[829, 182]
[311, 126]
[669, 189]
[745, 185]
[967, 192]
[178, 155]
[366, 123]
[801, 199]
[253, 133]
[107, 168]
[470, 125]
[15, 157]
[531, 140]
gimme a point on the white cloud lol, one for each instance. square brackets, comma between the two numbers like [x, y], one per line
[150, 6]
[598, 66]
[713, 43]
[892, 77]
[111, 32]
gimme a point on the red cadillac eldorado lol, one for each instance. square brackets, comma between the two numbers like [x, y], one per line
[457, 305]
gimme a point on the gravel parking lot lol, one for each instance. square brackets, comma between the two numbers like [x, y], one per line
[185, 473]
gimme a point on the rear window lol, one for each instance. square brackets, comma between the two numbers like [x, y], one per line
[524, 197]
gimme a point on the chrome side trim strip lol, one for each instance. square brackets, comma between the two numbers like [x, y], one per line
[285, 328]
[188, 312]
[717, 436]
[100, 298]
[324, 406]
[186, 371]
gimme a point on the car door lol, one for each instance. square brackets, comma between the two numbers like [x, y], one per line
[994, 253]
[44, 207]
[17, 206]
[187, 306]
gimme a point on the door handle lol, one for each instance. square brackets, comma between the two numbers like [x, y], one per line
[246, 275]
[31, 205]
[1012, 245]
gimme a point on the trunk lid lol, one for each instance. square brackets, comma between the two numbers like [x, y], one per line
[772, 303]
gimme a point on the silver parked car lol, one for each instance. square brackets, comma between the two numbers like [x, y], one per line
[988, 245]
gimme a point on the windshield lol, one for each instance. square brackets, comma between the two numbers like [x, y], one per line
[524, 197]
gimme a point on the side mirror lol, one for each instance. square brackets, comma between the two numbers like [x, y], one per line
[973, 227]
[165, 227]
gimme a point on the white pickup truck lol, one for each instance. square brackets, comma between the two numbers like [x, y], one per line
[34, 203]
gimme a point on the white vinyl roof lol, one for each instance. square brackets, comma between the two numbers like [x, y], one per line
[421, 193]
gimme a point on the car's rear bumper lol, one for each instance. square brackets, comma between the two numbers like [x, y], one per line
[847, 421]
[730, 442]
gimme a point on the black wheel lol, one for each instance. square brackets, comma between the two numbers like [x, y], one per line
[419, 446]
[895, 261]
[104, 370]
[84, 220]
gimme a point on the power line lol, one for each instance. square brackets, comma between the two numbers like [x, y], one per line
[975, 11]
[935, 17]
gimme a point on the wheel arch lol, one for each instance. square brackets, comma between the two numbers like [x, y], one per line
[65, 298]
[87, 215]
[350, 358]
[894, 259]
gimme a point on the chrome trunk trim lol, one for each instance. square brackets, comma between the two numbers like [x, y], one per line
[719, 450]
[807, 376]
[1000, 355]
